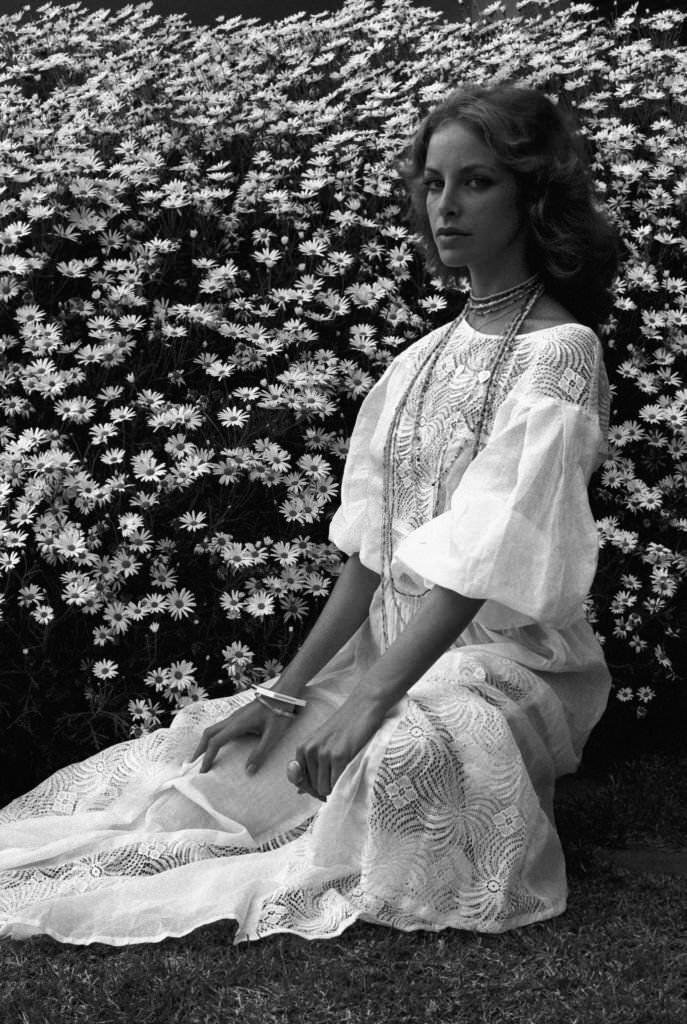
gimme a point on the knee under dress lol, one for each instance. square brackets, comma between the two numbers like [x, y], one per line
[445, 818]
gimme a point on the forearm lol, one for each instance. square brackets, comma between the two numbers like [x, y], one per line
[442, 618]
[346, 609]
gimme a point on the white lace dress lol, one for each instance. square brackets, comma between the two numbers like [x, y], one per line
[445, 818]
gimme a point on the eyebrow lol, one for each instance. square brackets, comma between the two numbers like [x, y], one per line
[468, 167]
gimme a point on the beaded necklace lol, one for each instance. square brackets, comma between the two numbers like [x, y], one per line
[526, 294]
[488, 305]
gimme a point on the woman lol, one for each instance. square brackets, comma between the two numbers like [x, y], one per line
[451, 676]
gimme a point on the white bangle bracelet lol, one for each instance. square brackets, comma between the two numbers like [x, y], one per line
[275, 711]
[284, 698]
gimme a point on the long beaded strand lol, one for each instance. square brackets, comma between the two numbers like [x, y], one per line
[529, 291]
[505, 348]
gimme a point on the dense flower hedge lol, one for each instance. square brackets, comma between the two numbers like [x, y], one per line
[204, 265]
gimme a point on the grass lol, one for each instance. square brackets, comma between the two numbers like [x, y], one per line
[617, 956]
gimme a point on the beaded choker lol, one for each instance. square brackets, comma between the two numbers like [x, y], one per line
[489, 305]
[526, 294]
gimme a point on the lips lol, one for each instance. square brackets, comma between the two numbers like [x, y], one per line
[452, 231]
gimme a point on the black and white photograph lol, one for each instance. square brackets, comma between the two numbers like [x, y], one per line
[343, 512]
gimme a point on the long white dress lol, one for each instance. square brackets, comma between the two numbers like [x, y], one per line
[445, 818]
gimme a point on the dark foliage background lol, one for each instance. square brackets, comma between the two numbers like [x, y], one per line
[57, 709]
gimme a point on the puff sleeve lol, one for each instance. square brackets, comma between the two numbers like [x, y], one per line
[519, 531]
[354, 527]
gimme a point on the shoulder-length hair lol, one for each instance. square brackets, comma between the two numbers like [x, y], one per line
[571, 242]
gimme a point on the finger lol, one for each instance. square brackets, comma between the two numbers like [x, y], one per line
[198, 751]
[303, 782]
[227, 730]
[296, 777]
[306, 792]
[203, 742]
[206, 739]
[303, 757]
[311, 763]
[214, 747]
[260, 751]
[323, 774]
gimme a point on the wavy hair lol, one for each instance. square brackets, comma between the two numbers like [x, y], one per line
[571, 242]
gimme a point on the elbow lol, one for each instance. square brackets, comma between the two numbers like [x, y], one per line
[369, 576]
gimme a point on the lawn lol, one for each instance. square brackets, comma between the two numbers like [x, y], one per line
[617, 956]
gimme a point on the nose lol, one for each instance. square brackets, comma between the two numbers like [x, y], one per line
[448, 204]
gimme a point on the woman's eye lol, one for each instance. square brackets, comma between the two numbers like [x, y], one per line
[474, 183]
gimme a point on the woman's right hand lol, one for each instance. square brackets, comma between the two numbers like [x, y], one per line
[252, 719]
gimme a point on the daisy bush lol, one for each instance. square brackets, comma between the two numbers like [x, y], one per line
[205, 264]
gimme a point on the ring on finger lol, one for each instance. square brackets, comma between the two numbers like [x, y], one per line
[295, 773]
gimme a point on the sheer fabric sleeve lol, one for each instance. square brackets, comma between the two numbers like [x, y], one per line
[519, 531]
[355, 526]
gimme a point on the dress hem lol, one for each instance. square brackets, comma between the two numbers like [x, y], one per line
[555, 910]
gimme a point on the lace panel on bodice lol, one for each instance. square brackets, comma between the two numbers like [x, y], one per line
[570, 369]
[435, 435]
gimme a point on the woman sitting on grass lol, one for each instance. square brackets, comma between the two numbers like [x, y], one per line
[452, 676]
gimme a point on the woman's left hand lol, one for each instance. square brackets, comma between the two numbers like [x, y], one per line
[325, 754]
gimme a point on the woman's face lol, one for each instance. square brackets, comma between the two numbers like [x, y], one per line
[470, 191]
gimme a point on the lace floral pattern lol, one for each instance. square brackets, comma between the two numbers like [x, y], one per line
[445, 818]
[569, 368]
[437, 428]
[93, 784]
[449, 825]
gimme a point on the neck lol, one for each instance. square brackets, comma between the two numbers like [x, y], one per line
[484, 284]
[498, 302]
[498, 306]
